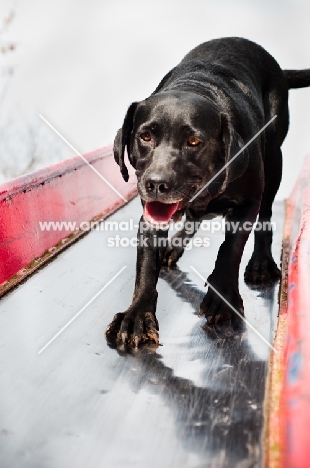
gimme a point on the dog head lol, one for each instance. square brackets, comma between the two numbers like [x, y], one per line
[178, 142]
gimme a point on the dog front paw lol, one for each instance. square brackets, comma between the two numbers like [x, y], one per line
[261, 271]
[172, 255]
[217, 306]
[133, 328]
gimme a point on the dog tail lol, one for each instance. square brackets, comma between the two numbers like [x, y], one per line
[297, 78]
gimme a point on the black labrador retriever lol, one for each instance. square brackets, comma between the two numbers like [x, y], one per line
[183, 141]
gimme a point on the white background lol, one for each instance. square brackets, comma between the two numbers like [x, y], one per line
[81, 63]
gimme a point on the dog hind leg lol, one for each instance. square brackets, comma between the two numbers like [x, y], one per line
[262, 268]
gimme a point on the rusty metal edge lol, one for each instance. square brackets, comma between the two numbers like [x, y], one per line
[272, 427]
[43, 176]
[49, 255]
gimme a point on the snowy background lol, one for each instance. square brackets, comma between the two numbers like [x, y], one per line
[81, 63]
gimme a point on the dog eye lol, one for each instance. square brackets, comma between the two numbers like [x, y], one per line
[146, 136]
[193, 141]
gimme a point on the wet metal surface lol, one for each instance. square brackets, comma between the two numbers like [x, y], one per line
[195, 402]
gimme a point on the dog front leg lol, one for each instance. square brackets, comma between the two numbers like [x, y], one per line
[225, 276]
[138, 323]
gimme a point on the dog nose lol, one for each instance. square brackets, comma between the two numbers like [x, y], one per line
[157, 183]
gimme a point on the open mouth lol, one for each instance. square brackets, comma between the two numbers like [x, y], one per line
[157, 212]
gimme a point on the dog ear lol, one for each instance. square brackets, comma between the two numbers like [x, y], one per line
[122, 141]
[233, 144]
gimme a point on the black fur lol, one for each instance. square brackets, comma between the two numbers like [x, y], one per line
[222, 93]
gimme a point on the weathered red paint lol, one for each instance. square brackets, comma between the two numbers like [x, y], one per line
[67, 191]
[295, 398]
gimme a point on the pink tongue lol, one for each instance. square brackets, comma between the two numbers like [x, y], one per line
[159, 212]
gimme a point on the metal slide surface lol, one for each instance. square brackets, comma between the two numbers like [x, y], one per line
[197, 402]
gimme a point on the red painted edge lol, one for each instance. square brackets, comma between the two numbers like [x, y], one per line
[69, 191]
[295, 398]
